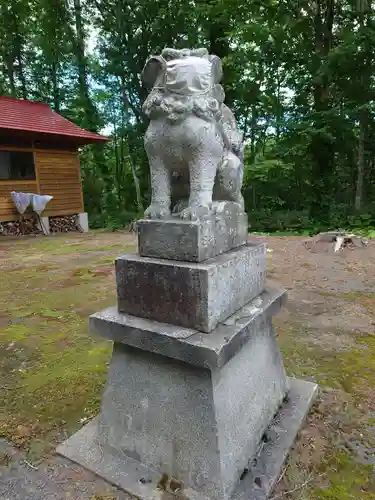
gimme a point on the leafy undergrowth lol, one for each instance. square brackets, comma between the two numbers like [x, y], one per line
[53, 369]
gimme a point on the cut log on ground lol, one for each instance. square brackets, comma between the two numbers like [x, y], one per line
[335, 241]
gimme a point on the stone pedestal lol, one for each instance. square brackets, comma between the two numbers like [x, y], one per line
[194, 241]
[201, 415]
[194, 295]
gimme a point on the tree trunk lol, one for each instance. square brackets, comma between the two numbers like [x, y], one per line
[361, 161]
[89, 110]
[17, 44]
[253, 126]
[365, 22]
[322, 148]
[55, 86]
[137, 185]
[278, 106]
[22, 75]
[10, 71]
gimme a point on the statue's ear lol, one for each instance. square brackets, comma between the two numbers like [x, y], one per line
[217, 68]
[153, 66]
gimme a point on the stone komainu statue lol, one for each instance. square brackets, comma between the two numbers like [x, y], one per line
[194, 147]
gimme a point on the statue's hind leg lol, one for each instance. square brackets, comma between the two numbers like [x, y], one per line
[228, 180]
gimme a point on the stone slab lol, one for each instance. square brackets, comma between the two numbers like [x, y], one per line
[281, 435]
[193, 241]
[127, 474]
[54, 478]
[191, 346]
[192, 295]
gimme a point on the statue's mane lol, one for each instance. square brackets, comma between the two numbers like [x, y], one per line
[177, 107]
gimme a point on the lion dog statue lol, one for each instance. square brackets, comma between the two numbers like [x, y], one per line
[193, 144]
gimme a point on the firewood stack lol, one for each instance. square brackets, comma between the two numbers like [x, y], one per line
[64, 224]
[26, 225]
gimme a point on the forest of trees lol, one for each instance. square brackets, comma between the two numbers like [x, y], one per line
[299, 75]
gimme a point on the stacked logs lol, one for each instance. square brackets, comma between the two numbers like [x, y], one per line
[26, 225]
[64, 224]
[29, 224]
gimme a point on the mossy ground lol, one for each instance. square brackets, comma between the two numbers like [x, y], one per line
[54, 371]
[327, 335]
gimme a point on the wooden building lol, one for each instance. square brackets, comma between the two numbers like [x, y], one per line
[39, 154]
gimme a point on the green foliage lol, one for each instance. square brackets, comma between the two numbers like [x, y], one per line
[297, 74]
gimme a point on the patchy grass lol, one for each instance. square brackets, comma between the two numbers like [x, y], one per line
[53, 369]
[334, 456]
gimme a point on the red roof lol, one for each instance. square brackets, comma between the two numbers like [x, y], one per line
[28, 116]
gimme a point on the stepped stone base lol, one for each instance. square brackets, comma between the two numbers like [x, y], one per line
[186, 344]
[197, 403]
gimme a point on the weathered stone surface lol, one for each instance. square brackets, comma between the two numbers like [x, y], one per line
[197, 424]
[193, 241]
[85, 448]
[193, 295]
[194, 347]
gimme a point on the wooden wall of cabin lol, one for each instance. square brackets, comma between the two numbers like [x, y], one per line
[57, 174]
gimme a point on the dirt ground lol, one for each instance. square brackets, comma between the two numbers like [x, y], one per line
[54, 371]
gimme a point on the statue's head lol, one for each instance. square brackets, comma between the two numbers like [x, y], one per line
[183, 81]
[171, 63]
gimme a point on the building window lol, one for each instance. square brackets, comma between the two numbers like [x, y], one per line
[17, 165]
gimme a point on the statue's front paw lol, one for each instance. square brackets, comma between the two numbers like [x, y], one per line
[180, 206]
[195, 212]
[156, 211]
